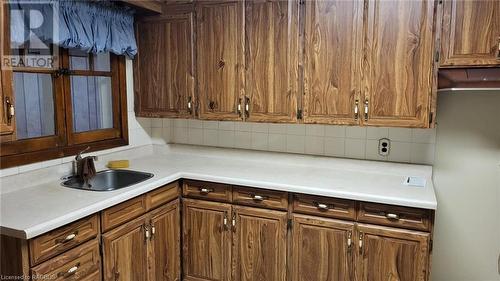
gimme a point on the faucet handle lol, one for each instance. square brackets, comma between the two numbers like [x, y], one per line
[79, 154]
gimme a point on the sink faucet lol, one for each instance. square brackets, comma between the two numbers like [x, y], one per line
[85, 166]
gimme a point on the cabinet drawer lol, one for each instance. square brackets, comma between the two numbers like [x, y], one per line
[324, 206]
[62, 239]
[162, 195]
[123, 212]
[260, 197]
[396, 216]
[81, 263]
[207, 190]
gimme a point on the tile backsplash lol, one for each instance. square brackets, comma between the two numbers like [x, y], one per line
[407, 145]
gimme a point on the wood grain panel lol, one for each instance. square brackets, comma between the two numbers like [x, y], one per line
[271, 55]
[398, 63]
[220, 59]
[62, 239]
[164, 252]
[164, 67]
[207, 190]
[259, 247]
[260, 197]
[324, 206]
[125, 252]
[14, 257]
[333, 31]
[395, 216]
[81, 263]
[392, 254]
[123, 212]
[470, 33]
[162, 195]
[206, 241]
[320, 249]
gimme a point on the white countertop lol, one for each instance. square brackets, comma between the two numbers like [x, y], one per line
[31, 211]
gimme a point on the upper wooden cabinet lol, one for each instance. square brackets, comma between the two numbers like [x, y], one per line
[7, 120]
[470, 33]
[271, 55]
[398, 63]
[332, 54]
[164, 67]
[392, 254]
[220, 63]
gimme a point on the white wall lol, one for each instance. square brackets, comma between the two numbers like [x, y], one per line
[467, 182]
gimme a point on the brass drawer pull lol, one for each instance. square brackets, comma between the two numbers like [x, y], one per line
[366, 109]
[68, 238]
[70, 271]
[321, 206]
[258, 198]
[356, 110]
[392, 216]
[205, 191]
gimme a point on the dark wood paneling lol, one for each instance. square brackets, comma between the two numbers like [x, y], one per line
[332, 51]
[470, 33]
[271, 52]
[123, 212]
[220, 59]
[398, 63]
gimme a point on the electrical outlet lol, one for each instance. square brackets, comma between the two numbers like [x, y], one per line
[384, 147]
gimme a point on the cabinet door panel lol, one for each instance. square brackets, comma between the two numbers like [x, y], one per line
[164, 66]
[7, 132]
[125, 252]
[220, 40]
[392, 254]
[259, 244]
[398, 67]
[271, 50]
[471, 33]
[207, 241]
[333, 31]
[164, 255]
[321, 250]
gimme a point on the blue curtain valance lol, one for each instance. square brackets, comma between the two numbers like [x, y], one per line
[91, 26]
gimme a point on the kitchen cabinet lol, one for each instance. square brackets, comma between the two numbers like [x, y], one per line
[323, 249]
[332, 58]
[271, 56]
[220, 59]
[206, 241]
[398, 63]
[470, 33]
[7, 120]
[164, 66]
[392, 254]
[260, 243]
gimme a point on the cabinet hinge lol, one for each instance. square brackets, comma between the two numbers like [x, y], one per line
[299, 113]
[431, 117]
[289, 224]
[431, 245]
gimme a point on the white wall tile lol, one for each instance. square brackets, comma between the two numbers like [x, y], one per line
[9, 172]
[226, 138]
[424, 135]
[243, 126]
[226, 125]
[355, 148]
[315, 130]
[296, 129]
[51, 163]
[167, 123]
[355, 132]
[422, 153]
[277, 142]
[212, 125]
[314, 145]
[372, 151]
[194, 123]
[260, 141]
[30, 167]
[180, 123]
[156, 123]
[195, 136]
[168, 134]
[400, 151]
[210, 137]
[180, 134]
[295, 144]
[400, 134]
[335, 147]
[144, 122]
[157, 135]
[260, 128]
[376, 133]
[242, 139]
[277, 128]
[335, 131]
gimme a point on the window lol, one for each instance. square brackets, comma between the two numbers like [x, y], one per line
[59, 106]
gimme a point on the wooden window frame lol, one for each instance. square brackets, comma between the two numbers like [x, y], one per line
[65, 142]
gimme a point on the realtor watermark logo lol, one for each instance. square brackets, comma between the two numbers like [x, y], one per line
[33, 30]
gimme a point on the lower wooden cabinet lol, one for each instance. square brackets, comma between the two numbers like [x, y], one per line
[392, 254]
[323, 249]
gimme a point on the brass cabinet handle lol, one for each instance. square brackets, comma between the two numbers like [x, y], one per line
[153, 231]
[205, 191]
[238, 108]
[366, 109]
[190, 105]
[247, 107]
[392, 216]
[224, 221]
[233, 222]
[321, 206]
[68, 238]
[147, 234]
[361, 242]
[11, 111]
[356, 110]
[349, 239]
[258, 198]
[72, 270]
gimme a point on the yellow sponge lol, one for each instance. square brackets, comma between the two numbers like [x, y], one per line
[118, 164]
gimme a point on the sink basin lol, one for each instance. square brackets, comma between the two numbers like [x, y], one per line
[109, 180]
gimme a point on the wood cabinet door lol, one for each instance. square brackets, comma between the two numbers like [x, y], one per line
[164, 253]
[332, 59]
[164, 66]
[392, 254]
[220, 59]
[206, 241]
[322, 249]
[125, 252]
[470, 33]
[7, 127]
[271, 59]
[259, 244]
[398, 64]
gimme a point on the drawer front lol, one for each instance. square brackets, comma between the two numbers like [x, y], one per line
[81, 263]
[62, 239]
[260, 197]
[396, 216]
[123, 212]
[162, 195]
[324, 206]
[207, 190]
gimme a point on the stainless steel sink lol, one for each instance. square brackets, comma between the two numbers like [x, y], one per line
[109, 180]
